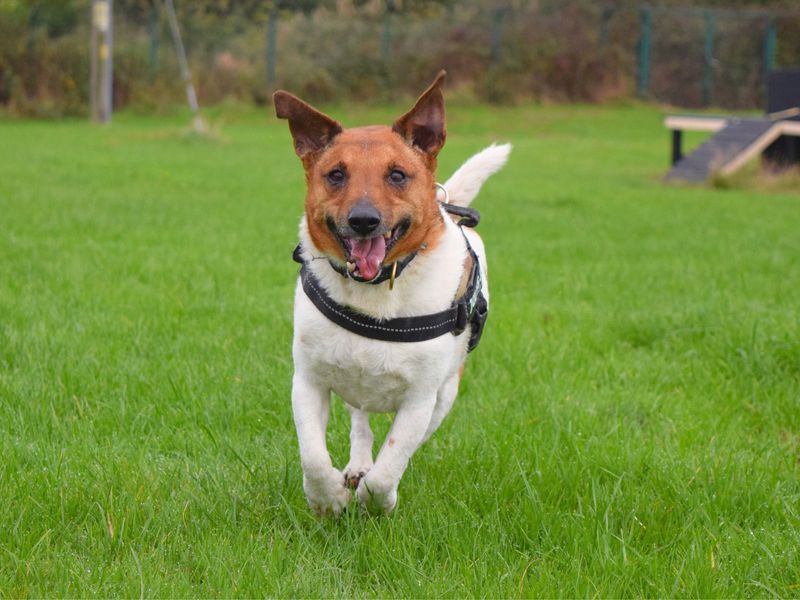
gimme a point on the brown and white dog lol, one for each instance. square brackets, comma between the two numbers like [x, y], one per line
[371, 204]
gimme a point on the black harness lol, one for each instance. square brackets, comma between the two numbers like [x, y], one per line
[469, 309]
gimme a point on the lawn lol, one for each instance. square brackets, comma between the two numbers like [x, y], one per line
[629, 426]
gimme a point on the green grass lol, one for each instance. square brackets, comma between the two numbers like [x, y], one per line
[630, 425]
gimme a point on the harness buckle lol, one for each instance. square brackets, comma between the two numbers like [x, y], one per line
[462, 318]
[467, 217]
[478, 321]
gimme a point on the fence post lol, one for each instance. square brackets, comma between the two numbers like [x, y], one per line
[496, 43]
[155, 40]
[272, 45]
[191, 94]
[708, 57]
[605, 24]
[386, 41]
[643, 71]
[102, 77]
[770, 46]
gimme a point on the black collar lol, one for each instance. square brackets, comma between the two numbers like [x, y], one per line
[469, 309]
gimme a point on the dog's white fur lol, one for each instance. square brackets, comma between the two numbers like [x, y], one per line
[418, 381]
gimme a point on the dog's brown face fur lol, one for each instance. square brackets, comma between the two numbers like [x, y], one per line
[370, 182]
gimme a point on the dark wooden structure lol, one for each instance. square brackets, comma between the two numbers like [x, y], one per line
[783, 94]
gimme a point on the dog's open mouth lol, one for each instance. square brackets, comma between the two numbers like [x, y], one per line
[365, 256]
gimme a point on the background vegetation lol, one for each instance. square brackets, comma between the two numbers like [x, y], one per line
[378, 50]
[629, 427]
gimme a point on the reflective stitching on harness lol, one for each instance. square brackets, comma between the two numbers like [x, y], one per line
[345, 316]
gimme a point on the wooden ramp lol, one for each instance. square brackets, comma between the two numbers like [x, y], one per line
[735, 141]
[723, 152]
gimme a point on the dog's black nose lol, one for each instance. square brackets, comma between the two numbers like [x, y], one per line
[364, 218]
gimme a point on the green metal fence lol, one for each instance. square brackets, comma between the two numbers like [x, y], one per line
[689, 56]
[756, 30]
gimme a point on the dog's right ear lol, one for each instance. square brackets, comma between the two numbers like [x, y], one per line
[311, 129]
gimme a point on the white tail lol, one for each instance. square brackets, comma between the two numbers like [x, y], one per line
[466, 182]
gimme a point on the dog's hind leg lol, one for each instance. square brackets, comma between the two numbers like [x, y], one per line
[324, 486]
[360, 447]
[445, 398]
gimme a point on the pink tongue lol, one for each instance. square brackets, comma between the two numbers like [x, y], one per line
[368, 255]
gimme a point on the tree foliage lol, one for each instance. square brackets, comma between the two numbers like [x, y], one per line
[497, 50]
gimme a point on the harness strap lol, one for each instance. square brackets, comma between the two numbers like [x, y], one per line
[466, 216]
[401, 329]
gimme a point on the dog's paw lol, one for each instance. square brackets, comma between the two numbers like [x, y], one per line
[376, 496]
[354, 473]
[326, 492]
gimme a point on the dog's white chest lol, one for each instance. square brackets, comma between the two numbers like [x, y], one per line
[368, 374]
[365, 390]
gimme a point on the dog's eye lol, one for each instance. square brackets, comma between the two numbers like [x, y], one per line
[397, 177]
[335, 177]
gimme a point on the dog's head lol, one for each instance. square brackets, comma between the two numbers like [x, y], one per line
[371, 196]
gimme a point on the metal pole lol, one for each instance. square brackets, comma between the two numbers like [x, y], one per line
[94, 66]
[770, 46]
[708, 57]
[605, 24]
[191, 96]
[497, 34]
[386, 42]
[106, 55]
[677, 146]
[643, 74]
[272, 45]
[102, 70]
[155, 40]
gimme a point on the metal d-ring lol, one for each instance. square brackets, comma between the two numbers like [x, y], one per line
[439, 186]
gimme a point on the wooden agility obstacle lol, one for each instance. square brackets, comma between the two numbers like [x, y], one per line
[735, 141]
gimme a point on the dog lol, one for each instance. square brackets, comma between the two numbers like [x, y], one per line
[392, 291]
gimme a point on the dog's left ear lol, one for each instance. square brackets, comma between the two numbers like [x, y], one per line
[424, 125]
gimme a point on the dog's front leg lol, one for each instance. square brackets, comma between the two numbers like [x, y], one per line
[378, 489]
[360, 447]
[324, 486]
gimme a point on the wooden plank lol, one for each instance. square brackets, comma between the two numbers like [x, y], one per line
[790, 128]
[725, 147]
[757, 147]
[784, 114]
[686, 123]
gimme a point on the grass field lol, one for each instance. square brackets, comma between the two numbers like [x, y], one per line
[630, 425]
